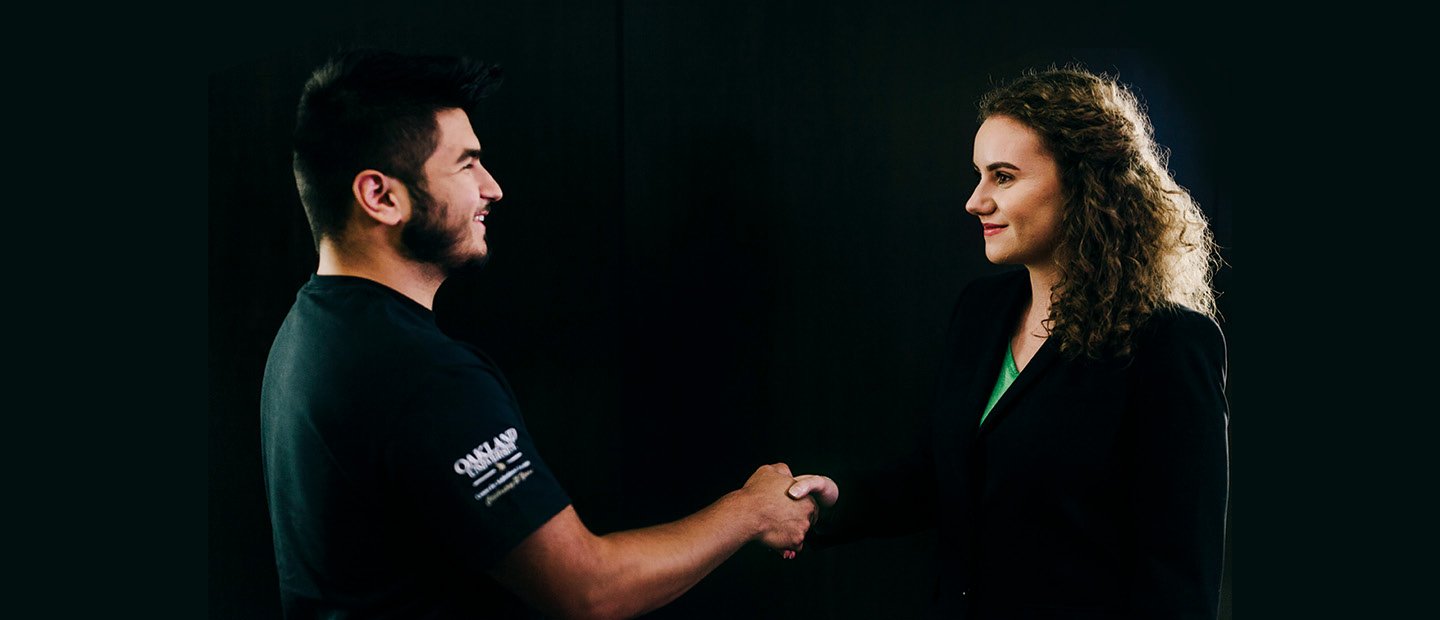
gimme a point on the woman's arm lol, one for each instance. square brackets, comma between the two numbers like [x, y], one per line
[1181, 469]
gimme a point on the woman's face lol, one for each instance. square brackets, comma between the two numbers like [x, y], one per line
[1019, 197]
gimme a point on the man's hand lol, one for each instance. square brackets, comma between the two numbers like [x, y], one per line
[782, 519]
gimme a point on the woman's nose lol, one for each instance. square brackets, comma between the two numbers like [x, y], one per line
[980, 202]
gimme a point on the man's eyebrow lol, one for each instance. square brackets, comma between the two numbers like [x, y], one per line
[469, 154]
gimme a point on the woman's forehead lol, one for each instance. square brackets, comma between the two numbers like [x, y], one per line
[1004, 138]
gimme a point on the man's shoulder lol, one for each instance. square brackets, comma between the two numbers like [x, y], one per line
[370, 321]
[356, 348]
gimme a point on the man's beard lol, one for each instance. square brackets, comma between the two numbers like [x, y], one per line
[427, 239]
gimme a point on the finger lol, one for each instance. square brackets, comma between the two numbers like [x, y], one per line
[823, 488]
[783, 469]
[829, 491]
[810, 483]
[802, 486]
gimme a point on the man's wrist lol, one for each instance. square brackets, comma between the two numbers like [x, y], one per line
[738, 508]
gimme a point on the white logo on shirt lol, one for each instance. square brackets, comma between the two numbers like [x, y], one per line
[486, 454]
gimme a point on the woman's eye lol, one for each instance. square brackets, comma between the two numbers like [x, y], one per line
[1001, 177]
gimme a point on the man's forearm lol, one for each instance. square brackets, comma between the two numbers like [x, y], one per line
[569, 572]
[646, 568]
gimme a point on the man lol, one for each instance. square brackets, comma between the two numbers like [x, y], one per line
[401, 478]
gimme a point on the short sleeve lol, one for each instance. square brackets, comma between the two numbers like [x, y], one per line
[461, 455]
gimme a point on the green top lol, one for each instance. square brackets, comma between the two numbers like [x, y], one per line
[1008, 372]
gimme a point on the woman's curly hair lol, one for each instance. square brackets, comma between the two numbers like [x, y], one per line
[1131, 240]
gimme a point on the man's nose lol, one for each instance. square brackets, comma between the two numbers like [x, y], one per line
[490, 188]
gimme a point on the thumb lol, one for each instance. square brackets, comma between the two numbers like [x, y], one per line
[825, 488]
[803, 486]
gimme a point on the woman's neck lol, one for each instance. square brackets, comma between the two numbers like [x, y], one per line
[1042, 281]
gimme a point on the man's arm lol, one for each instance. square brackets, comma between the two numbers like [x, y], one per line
[565, 570]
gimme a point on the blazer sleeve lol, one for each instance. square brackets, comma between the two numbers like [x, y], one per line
[899, 496]
[893, 499]
[1181, 469]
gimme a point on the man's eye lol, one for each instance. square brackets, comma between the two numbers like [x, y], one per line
[468, 166]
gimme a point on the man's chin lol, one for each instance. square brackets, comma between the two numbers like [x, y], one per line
[468, 262]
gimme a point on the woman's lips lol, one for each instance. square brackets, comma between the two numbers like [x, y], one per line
[993, 229]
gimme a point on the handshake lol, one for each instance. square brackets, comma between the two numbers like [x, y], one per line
[782, 507]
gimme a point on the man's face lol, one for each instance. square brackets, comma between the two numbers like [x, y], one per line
[447, 224]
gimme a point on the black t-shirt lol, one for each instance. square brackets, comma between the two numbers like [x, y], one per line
[396, 463]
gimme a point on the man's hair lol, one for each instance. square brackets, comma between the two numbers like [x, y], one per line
[372, 109]
[1132, 241]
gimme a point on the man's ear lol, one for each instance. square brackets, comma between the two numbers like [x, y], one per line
[381, 197]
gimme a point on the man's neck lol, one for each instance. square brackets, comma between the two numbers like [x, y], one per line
[414, 280]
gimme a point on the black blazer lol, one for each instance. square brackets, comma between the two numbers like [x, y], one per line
[1094, 489]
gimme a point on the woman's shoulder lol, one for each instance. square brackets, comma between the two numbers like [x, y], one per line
[1177, 326]
[1179, 317]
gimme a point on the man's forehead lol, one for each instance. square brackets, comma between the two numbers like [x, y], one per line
[456, 135]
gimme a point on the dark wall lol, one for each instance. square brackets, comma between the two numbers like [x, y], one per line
[730, 236]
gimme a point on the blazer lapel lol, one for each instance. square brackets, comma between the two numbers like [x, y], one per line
[984, 349]
[1016, 391]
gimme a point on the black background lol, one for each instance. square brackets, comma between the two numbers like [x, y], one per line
[731, 235]
[1326, 157]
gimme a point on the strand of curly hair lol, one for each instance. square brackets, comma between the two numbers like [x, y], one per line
[1132, 240]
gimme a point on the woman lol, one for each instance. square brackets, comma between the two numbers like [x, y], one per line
[1076, 460]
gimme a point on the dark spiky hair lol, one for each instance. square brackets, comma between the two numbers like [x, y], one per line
[374, 109]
